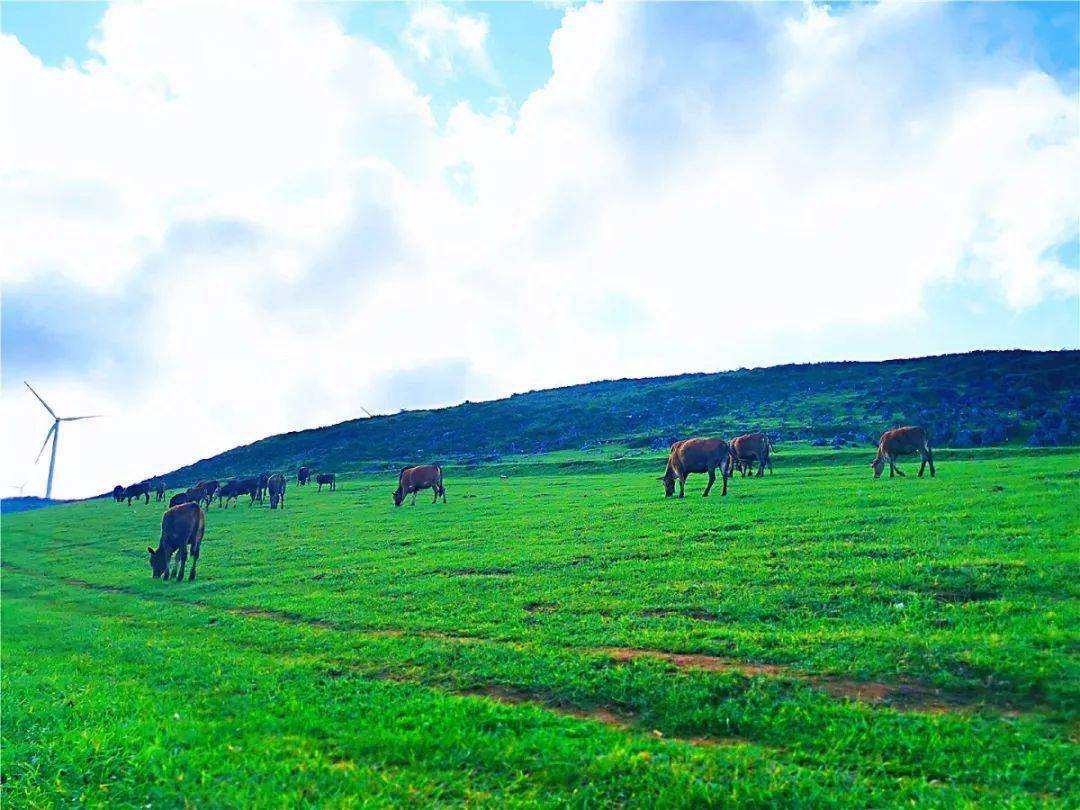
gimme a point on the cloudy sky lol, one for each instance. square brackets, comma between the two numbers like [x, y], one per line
[224, 221]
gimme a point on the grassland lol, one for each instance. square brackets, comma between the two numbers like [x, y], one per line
[563, 635]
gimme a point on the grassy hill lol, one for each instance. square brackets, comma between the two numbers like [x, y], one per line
[966, 400]
[551, 639]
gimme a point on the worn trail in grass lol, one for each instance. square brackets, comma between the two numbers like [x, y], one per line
[816, 637]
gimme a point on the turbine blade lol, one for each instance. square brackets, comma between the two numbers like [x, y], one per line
[39, 399]
[77, 418]
[48, 436]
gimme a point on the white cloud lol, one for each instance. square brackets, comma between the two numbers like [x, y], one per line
[299, 236]
[439, 36]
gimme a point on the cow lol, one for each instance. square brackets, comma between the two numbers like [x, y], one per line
[903, 441]
[745, 450]
[159, 490]
[181, 528]
[231, 490]
[275, 485]
[208, 490]
[262, 479]
[303, 476]
[326, 478]
[188, 496]
[413, 479]
[137, 491]
[118, 493]
[696, 456]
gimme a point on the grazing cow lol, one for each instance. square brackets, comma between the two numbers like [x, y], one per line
[262, 479]
[231, 490]
[137, 491]
[413, 479]
[159, 490]
[118, 493]
[899, 442]
[190, 496]
[303, 476]
[745, 450]
[208, 489]
[696, 456]
[326, 478]
[181, 528]
[275, 485]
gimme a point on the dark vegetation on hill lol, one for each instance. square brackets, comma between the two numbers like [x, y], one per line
[966, 400]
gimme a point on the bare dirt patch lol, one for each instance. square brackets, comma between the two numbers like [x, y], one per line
[904, 695]
[474, 572]
[709, 663]
[540, 607]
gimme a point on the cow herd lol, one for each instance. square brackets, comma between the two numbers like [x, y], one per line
[184, 522]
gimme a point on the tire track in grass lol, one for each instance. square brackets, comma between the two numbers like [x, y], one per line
[904, 696]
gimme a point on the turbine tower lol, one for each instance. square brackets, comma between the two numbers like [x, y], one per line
[54, 433]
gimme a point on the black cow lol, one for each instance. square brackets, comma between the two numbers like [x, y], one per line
[182, 528]
[231, 490]
[137, 491]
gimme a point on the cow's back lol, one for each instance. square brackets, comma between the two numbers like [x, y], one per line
[909, 439]
[698, 454]
[421, 477]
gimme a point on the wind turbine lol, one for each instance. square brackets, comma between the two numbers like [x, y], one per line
[54, 433]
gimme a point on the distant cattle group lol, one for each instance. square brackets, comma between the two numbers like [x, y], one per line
[183, 523]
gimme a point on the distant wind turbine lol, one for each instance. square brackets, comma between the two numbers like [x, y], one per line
[54, 433]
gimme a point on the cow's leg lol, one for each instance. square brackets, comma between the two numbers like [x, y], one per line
[930, 460]
[682, 484]
[435, 491]
[922, 466]
[415, 493]
[712, 480]
[194, 560]
[761, 466]
[182, 562]
[898, 470]
[442, 490]
[723, 492]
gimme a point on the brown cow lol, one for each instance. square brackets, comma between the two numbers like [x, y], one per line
[303, 476]
[263, 479]
[275, 485]
[747, 449]
[181, 527]
[118, 493]
[413, 479]
[326, 478]
[696, 456]
[902, 441]
[159, 490]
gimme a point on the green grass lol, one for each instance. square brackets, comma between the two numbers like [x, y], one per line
[922, 635]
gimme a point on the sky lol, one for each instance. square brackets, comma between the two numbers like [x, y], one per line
[225, 221]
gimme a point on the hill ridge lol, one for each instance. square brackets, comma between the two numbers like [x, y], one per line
[966, 399]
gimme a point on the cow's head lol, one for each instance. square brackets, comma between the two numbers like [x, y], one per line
[879, 465]
[158, 561]
[399, 496]
[669, 482]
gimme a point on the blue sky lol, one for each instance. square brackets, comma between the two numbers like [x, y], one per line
[548, 189]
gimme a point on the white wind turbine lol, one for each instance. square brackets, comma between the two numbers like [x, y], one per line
[54, 433]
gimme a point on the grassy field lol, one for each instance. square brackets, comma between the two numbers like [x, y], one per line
[563, 635]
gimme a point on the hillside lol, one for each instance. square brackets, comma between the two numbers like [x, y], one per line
[967, 400]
